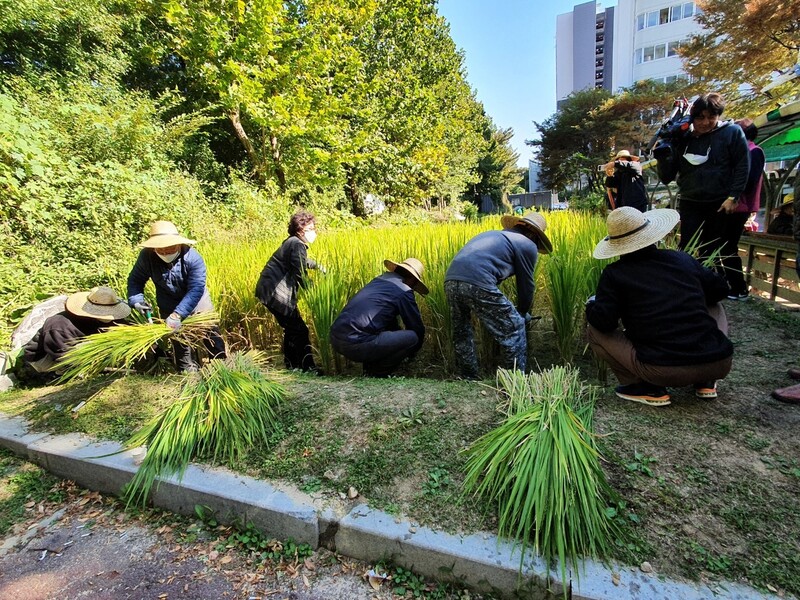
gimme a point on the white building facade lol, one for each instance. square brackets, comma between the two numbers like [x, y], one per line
[634, 41]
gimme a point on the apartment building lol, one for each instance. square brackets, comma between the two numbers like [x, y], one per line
[615, 47]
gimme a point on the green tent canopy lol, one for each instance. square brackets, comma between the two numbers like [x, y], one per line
[779, 132]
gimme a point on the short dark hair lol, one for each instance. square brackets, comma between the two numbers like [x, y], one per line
[299, 220]
[714, 103]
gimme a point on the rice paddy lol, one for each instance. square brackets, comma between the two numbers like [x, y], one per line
[352, 258]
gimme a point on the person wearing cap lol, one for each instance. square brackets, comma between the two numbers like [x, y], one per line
[85, 313]
[710, 163]
[782, 217]
[472, 282]
[367, 329]
[277, 287]
[625, 182]
[673, 328]
[179, 275]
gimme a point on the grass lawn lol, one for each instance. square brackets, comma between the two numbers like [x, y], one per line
[709, 487]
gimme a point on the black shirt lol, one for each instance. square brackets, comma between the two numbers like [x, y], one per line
[661, 297]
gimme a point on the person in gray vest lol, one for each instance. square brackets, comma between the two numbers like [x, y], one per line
[471, 285]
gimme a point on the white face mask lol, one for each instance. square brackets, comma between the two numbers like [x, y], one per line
[697, 159]
[168, 258]
[310, 236]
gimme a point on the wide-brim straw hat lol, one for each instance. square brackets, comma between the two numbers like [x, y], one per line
[625, 155]
[413, 267]
[99, 303]
[535, 223]
[630, 230]
[164, 234]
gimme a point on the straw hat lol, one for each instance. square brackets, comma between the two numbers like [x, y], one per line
[624, 154]
[413, 267]
[164, 234]
[630, 230]
[535, 223]
[99, 303]
[788, 203]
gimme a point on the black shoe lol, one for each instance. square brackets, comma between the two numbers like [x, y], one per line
[742, 296]
[646, 393]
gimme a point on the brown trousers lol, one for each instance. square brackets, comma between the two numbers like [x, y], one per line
[618, 351]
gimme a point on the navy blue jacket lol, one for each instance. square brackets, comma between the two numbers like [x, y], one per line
[179, 285]
[723, 175]
[661, 297]
[492, 257]
[375, 308]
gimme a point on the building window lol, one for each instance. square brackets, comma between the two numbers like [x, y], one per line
[660, 51]
[656, 52]
[672, 48]
[637, 56]
[666, 15]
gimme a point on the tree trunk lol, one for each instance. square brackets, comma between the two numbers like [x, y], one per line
[351, 191]
[258, 164]
[276, 157]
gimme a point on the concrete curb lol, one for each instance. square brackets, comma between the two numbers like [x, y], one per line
[481, 561]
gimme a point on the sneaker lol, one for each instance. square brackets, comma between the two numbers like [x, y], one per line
[646, 393]
[742, 296]
[706, 390]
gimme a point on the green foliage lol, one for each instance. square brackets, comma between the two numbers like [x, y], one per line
[220, 414]
[542, 467]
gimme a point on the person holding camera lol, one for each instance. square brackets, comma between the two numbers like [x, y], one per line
[710, 161]
[673, 327]
[625, 183]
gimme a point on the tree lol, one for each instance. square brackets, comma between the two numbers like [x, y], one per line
[741, 46]
[574, 141]
[497, 167]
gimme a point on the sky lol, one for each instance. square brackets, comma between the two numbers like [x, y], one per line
[510, 55]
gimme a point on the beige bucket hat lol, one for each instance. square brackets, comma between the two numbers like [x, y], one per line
[413, 267]
[164, 234]
[99, 303]
[625, 155]
[534, 222]
[630, 230]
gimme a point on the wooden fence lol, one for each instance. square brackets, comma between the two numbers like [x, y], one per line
[769, 265]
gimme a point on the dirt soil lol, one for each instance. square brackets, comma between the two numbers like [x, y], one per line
[94, 549]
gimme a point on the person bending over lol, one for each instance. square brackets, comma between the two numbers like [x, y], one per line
[471, 285]
[367, 329]
[673, 328]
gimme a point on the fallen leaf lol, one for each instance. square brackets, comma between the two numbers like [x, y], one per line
[772, 588]
[306, 582]
[615, 578]
[352, 493]
[309, 564]
[226, 559]
[30, 504]
[213, 555]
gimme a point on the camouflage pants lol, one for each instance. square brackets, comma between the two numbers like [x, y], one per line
[497, 315]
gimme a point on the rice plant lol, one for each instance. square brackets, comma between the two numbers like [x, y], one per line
[541, 466]
[221, 413]
[122, 346]
[571, 276]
